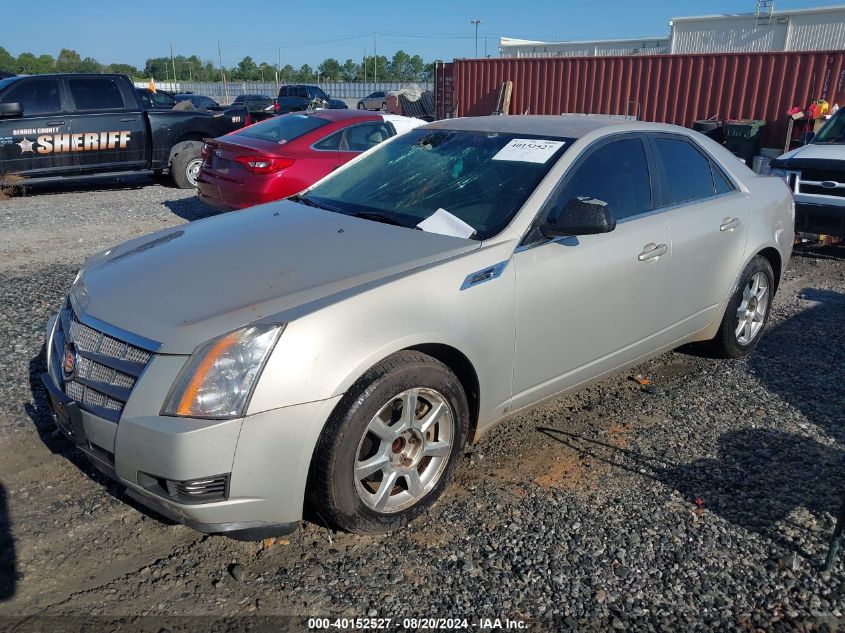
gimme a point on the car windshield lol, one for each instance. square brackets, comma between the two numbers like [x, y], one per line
[482, 178]
[285, 128]
[834, 130]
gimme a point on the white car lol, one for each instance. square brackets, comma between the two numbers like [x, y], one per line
[344, 344]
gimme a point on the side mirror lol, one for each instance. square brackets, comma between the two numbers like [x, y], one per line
[10, 110]
[580, 216]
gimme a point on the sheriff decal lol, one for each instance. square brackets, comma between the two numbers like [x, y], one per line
[80, 142]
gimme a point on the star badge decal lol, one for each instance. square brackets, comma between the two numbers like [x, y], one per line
[25, 145]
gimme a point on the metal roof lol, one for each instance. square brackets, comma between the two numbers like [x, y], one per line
[730, 16]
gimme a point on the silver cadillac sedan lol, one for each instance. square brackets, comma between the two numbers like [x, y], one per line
[339, 348]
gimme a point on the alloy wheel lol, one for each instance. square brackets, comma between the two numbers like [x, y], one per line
[404, 450]
[751, 312]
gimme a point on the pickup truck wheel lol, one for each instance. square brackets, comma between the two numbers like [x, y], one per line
[747, 312]
[186, 166]
[391, 446]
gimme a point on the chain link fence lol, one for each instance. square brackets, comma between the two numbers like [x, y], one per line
[225, 94]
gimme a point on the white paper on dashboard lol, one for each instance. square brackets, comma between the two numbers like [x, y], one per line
[444, 223]
[529, 150]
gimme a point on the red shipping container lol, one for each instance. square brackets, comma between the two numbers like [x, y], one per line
[678, 89]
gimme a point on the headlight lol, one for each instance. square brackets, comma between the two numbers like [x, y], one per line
[789, 177]
[218, 378]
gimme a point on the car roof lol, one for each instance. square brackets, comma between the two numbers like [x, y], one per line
[566, 125]
[343, 115]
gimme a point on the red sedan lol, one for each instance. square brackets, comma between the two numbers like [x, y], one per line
[283, 155]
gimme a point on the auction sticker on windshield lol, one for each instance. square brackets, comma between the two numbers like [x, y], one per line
[527, 150]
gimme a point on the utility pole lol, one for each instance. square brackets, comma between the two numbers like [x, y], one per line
[485, 47]
[375, 60]
[173, 61]
[365, 64]
[279, 72]
[476, 22]
[222, 71]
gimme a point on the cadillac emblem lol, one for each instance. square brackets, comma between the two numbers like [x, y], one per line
[69, 361]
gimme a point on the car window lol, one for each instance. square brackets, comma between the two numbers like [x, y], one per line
[95, 93]
[616, 173]
[161, 99]
[36, 96]
[238, 99]
[302, 93]
[283, 128]
[360, 138]
[722, 184]
[331, 142]
[688, 175]
[320, 94]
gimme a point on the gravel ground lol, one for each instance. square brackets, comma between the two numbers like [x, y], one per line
[701, 501]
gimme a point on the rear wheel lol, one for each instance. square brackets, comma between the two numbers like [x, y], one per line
[185, 166]
[391, 446]
[384, 105]
[747, 313]
[360, 105]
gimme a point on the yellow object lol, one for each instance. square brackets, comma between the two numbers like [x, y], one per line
[152, 86]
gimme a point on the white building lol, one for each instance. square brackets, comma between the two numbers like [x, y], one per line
[816, 29]
[822, 28]
[510, 47]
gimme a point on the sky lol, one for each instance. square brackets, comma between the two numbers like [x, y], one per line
[308, 32]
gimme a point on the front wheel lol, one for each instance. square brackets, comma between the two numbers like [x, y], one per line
[186, 166]
[391, 446]
[747, 313]
[360, 105]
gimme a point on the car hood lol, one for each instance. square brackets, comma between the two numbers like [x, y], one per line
[814, 152]
[187, 284]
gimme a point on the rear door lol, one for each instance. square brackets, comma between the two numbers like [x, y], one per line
[109, 130]
[708, 217]
[27, 143]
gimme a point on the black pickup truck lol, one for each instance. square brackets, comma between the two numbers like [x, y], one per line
[55, 127]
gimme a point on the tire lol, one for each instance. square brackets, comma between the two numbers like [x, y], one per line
[361, 105]
[730, 341]
[384, 105]
[377, 401]
[185, 166]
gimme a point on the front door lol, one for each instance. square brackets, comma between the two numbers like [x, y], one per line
[588, 304]
[26, 146]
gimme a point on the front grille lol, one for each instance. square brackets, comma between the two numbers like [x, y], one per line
[818, 190]
[106, 367]
[820, 175]
[199, 490]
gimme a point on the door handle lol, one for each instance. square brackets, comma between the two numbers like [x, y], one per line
[128, 119]
[54, 123]
[652, 251]
[729, 224]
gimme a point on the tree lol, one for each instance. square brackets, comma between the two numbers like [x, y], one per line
[350, 70]
[68, 61]
[26, 64]
[246, 69]
[89, 65]
[124, 69]
[287, 74]
[305, 73]
[7, 62]
[46, 64]
[398, 70]
[380, 67]
[330, 69]
[158, 68]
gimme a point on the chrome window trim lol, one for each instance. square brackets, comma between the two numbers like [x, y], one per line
[113, 331]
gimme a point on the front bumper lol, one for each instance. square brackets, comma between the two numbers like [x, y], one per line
[263, 458]
[819, 219]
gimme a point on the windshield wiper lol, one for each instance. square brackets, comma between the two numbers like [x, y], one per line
[378, 216]
[311, 202]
